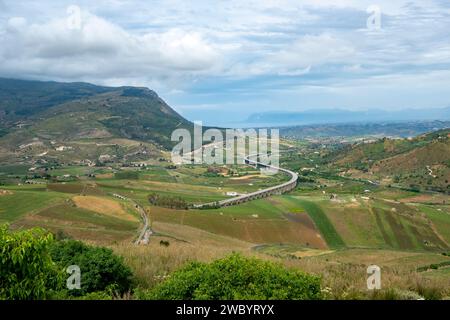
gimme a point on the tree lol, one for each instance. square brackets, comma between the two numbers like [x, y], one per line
[100, 268]
[26, 268]
[167, 201]
[236, 277]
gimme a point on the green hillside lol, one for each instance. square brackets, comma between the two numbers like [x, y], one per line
[419, 163]
[20, 99]
[49, 121]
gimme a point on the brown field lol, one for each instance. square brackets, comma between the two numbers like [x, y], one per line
[66, 188]
[105, 176]
[427, 198]
[5, 192]
[311, 253]
[187, 234]
[297, 229]
[104, 206]
[124, 142]
[76, 188]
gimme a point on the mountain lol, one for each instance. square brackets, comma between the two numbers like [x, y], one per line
[418, 163]
[331, 116]
[51, 120]
[403, 129]
[21, 99]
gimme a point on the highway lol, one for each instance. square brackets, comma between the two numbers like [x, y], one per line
[278, 189]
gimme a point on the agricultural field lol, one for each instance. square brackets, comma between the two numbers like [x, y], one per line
[256, 222]
[328, 225]
[84, 204]
[15, 203]
[78, 210]
[330, 213]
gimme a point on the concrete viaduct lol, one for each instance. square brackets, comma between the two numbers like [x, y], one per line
[275, 190]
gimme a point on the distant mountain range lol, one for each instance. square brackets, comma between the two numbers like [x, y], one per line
[332, 116]
[402, 129]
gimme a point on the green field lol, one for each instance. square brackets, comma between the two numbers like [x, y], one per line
[306, 218]
[322, 222]
[440, 217]
[13, 207]
[14, 169]
[82, 217]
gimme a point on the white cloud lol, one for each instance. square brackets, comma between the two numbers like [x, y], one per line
[314, 50]
[16, 23]
[199, 53]
[101, 49]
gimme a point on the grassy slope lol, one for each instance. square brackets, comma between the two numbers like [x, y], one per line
[378, 223]
[322, 222]
[13, 207]
[260, 221]
[30, 206]
[403, 161]
[440, 219]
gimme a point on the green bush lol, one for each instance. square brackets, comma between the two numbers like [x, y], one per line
[236, 277]
[100, 268]
[26, 268]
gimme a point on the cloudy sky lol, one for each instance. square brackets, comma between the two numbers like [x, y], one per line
[220, 61]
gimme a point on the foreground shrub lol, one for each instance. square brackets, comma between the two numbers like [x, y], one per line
[395, 294]
[236, 277]
[100, 268]
[26, 268]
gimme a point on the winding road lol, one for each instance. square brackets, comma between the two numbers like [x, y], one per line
[146, 231]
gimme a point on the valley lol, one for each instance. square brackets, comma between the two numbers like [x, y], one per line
[92, 166]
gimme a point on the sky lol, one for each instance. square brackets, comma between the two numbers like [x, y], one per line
[220, 61]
